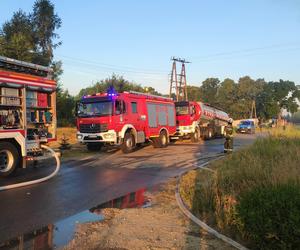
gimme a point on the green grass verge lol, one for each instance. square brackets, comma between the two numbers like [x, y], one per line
[254, 196]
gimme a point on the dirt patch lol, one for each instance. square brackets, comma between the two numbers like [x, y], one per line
[161, 226]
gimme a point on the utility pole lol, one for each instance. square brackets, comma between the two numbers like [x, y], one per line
[179, 86]
[253, 110]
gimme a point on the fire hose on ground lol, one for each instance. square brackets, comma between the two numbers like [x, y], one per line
[27, 183]
[196, 220]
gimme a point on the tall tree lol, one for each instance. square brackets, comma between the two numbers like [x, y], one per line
[45, 22]
[194, 93]
[17, 40]
[209, 90]
[266, 104]
[227, 97]
[285, 94]
[247, 92]
[65, 108]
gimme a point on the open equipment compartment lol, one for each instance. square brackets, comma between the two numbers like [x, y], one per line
[27, 112]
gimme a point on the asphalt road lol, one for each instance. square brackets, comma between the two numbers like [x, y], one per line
[85, 183]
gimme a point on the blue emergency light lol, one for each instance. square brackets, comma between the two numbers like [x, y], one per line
[111, 91]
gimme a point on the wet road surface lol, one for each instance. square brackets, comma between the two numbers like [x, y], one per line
[85, 183]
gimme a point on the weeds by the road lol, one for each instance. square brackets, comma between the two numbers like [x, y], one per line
[69, 132]
[77, 150]
[254, 195]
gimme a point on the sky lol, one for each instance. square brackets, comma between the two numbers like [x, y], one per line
[136, 39]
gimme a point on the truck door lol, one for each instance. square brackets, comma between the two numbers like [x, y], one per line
[134, 114]
[120, 114]
[137, 120]
[193, 112]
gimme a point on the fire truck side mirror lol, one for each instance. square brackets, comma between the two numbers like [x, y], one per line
[76, 108]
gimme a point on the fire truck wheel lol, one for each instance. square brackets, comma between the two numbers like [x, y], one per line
[210, 134]
[195, 136]
[161, 141]
[9, 158]
[128, 143]
[94, 146]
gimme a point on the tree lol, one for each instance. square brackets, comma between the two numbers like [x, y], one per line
[194, 93]
[227, 97]
[57, 72]
[267, 107]
[119, 84]
[65, 108]
[209, 90]
[17, 38]
[247, 92]
[31, 37]
[151, 90]
[45, 22]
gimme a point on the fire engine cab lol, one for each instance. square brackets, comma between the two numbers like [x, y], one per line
[126, 119]
[197, 120]
[27, 112]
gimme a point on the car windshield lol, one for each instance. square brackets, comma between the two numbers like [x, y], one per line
[95, 109]
[246, 123]
[182, 110]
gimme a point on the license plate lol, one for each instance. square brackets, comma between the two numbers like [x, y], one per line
[92, 136]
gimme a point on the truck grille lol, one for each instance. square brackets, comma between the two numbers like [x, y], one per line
[92, 128]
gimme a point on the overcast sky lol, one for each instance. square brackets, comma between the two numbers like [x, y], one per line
[136, 39]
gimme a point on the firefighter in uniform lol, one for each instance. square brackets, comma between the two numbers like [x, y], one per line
[228, 145]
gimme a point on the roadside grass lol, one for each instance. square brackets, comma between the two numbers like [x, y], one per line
[77, 150]
[69, 132]
[254, 196]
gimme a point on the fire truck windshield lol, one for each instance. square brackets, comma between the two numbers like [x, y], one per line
[95, 109]
[182, 110]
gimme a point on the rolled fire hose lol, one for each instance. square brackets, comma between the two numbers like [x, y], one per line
[27, 183]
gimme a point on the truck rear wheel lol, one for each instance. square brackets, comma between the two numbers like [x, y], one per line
[195, 136]
[9, 158]
[93, 146]
[128, 143]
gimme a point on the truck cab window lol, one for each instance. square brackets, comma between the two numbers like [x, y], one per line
[120, 107]
[134, 107]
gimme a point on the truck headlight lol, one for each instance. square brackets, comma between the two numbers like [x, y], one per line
[79, 136]
[109, 136]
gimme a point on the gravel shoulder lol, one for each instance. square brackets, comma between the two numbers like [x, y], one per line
[161, 226]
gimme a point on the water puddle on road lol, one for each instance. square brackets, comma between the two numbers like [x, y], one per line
[58, 234]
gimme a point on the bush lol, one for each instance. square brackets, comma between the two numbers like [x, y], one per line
[241, 200]
[271, 216]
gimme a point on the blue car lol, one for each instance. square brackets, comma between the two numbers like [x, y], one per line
[247, 127]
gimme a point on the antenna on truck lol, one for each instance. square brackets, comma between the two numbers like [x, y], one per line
[179, 85]
[25, 67]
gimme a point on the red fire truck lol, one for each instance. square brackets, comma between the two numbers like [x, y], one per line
[27, 112]
[197, 120]
[130, 200]
[126, 119]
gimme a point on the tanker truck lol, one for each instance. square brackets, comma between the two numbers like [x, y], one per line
[197, 120]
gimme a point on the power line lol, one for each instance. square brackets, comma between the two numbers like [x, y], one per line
[95, 74]
[114, 67]
[229, 53]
